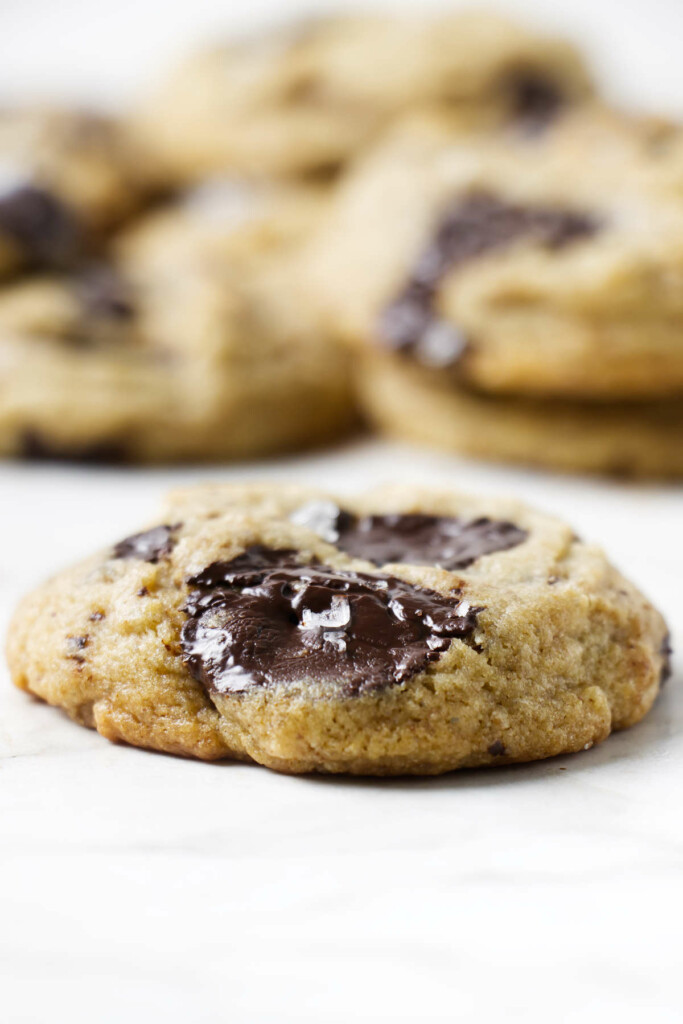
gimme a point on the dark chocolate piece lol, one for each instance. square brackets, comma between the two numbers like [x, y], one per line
[536, 101]
[33, 445]
[472, 227]
[74, 646]
[252, 624]
[497, 748]
[418, 539]
[43, 227]
[245, 569]
[150, 546]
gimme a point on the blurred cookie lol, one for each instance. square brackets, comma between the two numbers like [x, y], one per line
[545, 266]
[625, 439]
[65, 177]
[305, 98]
[397, 632]
[188, 344]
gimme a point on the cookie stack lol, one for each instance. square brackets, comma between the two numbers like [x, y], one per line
[515, 297]
[440, 205]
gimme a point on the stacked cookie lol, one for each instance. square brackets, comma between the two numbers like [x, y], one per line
[518, 297]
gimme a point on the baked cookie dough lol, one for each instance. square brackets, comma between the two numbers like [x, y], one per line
[306, 97]
[65, 178]
[550, 266]
[187, 344]
[621, 439]
[401, 631]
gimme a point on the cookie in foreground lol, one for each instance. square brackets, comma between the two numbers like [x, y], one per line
[401, 631]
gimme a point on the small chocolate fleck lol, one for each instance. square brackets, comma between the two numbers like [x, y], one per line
[96, 616]
[666, 651]
[262, 620]
[497, 748]
[142, 592]
[416, 538]
[104, 294]
[74, 646]
[43, 227]
[149, 546]
[468, 229]
[33, 445]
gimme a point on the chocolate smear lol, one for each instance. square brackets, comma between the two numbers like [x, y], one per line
[471, 227]
[414, 538]
[262, 620]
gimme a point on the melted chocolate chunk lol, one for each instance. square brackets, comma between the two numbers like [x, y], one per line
[666, 651]
[443, 541]
[41, 225]
[33, 445]
[536, 101]
[262, 620]
[74, 646]
[246, 568]
[150, 546]
[472, 227]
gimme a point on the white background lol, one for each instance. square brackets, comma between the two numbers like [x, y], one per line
[137, 887]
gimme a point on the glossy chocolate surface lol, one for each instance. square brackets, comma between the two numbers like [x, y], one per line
[150, 546]
[262, 620]
[418, 539]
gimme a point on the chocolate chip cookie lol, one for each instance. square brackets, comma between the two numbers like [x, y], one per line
[303, 99]
[65, 178]
[544, 267]
[186, 342]
[395, 632]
